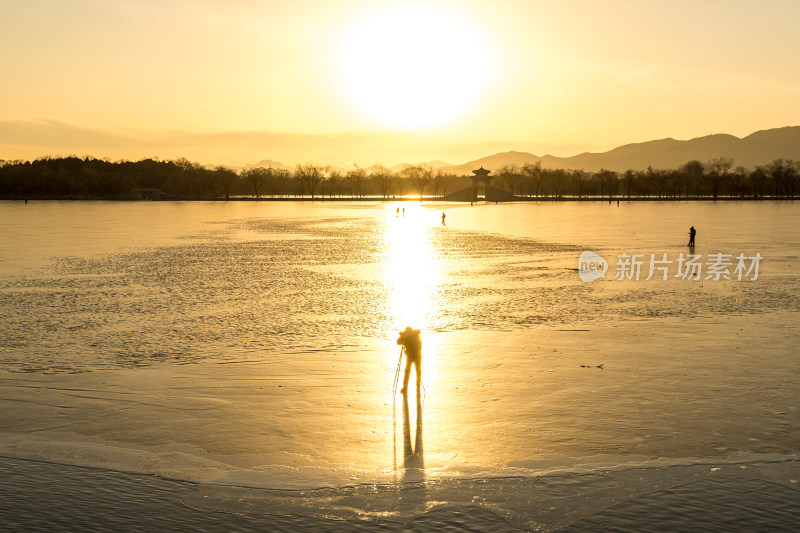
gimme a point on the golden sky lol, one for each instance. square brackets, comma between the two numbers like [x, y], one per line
[358, 81]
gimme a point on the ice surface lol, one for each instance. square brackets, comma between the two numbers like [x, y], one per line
[252, 346]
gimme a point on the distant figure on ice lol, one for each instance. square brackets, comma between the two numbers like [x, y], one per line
[398, 212]
[412, 343]
[692, 233]
[443, 217]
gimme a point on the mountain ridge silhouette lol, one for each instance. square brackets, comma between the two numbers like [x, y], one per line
[759, 148]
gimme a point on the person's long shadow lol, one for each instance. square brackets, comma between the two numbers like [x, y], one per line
[413, 459]
[411, 497]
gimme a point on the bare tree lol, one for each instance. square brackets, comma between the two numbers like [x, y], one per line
[276, 181]
[613, 185]
[627, 179]
[553, 182]
[383, 177]
[181, 175]
[356, 179]
[758, 181]
[579, 178]
[421, 176]
[511, 176]
[657, 179]
[738, 178]
[442, 182]
[676, 182]
[793, 177]
[717, 173]
[694, 171]
[334, 183]
[255, 178]
[310, 176]
[225, 177]
[604, 180]
[533, 175]
[784, 174]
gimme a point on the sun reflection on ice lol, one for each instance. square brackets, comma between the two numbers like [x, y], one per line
[412, 272]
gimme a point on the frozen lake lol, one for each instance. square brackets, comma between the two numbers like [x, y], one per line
[249, 346]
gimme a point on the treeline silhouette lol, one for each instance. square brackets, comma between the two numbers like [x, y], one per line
[181, 179]
[716, 178]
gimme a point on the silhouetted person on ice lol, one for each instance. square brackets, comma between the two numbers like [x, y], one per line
[412, 343]
[443, 217]
[692, 233]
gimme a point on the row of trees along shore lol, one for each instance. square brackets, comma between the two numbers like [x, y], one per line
[89, 178]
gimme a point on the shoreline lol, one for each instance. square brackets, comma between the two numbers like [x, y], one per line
[437, 199]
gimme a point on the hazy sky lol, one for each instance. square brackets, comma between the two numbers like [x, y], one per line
[338, 81]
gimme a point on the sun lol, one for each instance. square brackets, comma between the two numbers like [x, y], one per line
[414, 67]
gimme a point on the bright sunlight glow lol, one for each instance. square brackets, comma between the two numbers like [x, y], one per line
[413, 67]
[414, 276]
[412, 272]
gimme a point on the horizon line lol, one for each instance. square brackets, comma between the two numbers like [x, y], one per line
[13, 132]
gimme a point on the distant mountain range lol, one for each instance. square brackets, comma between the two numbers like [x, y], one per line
[433, 164]
[759, 148]
[269, 163]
